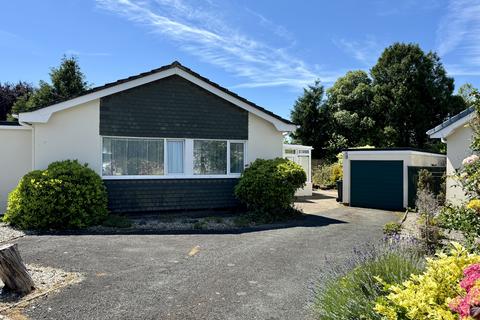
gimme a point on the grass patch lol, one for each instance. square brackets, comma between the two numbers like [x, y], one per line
[392, 228]
[351, 290]
[116, 221]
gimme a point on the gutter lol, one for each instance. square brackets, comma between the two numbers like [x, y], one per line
[29, 125]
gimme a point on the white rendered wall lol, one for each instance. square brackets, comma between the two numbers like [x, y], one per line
[15, 159]
[70, 134]
[264, 140]
[458, 148]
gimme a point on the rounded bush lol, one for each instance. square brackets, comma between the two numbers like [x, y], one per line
[268, 186]
[66, 195]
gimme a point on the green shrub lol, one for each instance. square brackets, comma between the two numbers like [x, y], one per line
[65, 195]
[463, 219]
[425, 180]
[351, 290]
[392, 228]
[327, 175]
[268, 187]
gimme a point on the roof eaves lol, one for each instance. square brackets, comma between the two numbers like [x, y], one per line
[451, 120]
[174, 64]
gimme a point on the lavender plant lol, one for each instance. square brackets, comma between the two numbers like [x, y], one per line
[349, 290]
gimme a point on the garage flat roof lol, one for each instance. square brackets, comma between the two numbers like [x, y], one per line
[393, 150]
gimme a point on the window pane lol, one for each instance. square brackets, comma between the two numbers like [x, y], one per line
[209, 157]
[236, 157]
[132, 156]
[175, 156]
[107, 157]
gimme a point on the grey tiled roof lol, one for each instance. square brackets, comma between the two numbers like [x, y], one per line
[451, 120]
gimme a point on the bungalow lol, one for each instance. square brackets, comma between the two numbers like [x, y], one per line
[165, 139]
[457, 134]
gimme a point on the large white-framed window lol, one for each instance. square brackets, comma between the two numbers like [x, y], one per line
[168, 158]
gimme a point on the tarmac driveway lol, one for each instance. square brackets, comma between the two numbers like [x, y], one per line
[253, 275]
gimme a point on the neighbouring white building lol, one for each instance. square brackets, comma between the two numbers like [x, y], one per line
[457, 134]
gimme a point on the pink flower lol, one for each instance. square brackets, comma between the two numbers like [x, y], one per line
[454, 304]
[464, 308]
[469, 160]
[472, 275]
[474, 297]
[471, 269]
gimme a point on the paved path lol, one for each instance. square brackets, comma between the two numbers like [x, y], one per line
[256, 275]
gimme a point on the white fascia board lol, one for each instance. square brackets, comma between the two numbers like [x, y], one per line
[15, 128]
[390, 152]
[448, 130]
[43, 115]
[297, 146]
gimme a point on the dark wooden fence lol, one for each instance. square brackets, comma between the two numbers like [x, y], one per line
[437, 173]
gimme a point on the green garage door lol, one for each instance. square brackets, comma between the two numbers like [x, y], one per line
[376, 184]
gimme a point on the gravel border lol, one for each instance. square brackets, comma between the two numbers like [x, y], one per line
[46, 279]
[8, 233]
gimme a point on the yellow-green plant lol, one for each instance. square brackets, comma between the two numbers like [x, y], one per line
[474, 204]
[426, 296]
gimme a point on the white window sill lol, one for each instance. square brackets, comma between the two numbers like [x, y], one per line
[166, 177]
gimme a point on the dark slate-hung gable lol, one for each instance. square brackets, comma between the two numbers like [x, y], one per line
[171, 108]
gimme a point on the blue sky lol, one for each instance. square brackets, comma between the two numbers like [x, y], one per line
[266, 51]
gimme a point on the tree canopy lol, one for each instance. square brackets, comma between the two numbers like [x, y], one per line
[67, 81]
[310, 113]
[406, 93]
[9, 94]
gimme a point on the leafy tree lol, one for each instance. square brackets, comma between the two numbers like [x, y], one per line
[9, 94]
[469, 93]
[411, 94]
[312, 116]
[349, 100]
[67, 81]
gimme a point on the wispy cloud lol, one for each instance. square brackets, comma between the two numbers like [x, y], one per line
[87, 54]
[203, 32]
[277, 29]
[388, 8]
[458, 37]
[365, 51]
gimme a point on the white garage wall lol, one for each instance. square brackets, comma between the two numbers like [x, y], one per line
[264, 140]
[409, 158]
[458, 148]
[15, 158]
[70, 134]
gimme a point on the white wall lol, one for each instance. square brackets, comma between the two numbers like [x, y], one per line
[70, 134]
[264, 141]
[15, 159]
[458, 148]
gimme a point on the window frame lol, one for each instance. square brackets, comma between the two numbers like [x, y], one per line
[187, 160]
